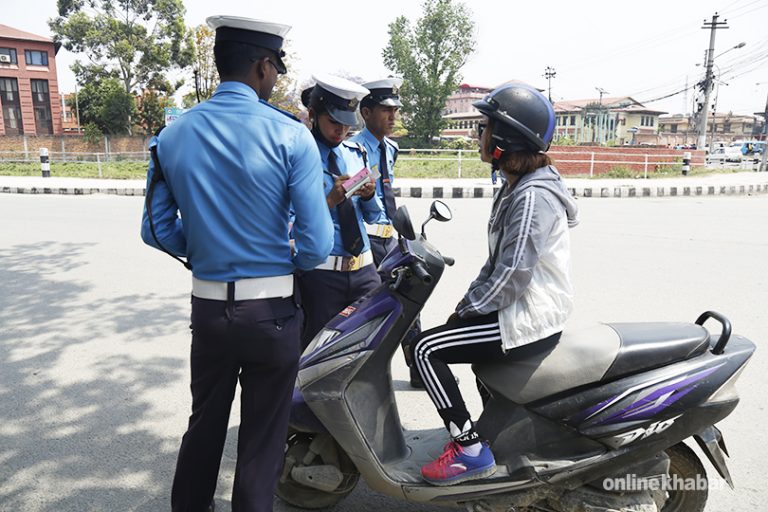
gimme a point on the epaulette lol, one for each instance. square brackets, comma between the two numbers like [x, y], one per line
[284, 112]
[394, 145]
[357, 146]
[354, 145]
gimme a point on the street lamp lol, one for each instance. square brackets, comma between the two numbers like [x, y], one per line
[740, 45]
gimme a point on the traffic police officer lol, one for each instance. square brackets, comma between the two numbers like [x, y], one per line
[231, 167]
[349, 272]
[379, 111]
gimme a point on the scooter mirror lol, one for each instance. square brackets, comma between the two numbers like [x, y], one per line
[403, 224]
[440, 211]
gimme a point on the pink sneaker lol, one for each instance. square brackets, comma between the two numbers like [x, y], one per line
[455, 466]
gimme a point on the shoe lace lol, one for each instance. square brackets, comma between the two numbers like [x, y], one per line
[452, 450]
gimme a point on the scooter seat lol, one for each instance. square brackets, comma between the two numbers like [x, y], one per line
[589, 355]
[645, 346]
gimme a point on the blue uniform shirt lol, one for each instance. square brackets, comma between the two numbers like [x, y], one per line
[349, 158]
[232, 167]
[371, 144]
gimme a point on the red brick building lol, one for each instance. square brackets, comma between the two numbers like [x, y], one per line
[29, 90]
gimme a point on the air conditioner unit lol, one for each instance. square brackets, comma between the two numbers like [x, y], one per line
[5, 58]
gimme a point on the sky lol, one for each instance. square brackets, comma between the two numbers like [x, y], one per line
[645, 50]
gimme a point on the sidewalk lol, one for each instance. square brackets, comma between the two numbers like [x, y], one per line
[740, 183]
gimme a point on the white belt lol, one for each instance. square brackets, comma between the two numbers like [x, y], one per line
[245, 289]
[346, 263]
[380, 230]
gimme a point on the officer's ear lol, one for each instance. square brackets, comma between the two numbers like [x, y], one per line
[365, 112]
[262, 65]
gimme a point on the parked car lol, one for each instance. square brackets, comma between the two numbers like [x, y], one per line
[725, 154]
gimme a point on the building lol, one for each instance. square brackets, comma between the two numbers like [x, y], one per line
[722, 127]
[70, 122]
[606, 121]
[29, 91]
[461, 101]
[600, 121]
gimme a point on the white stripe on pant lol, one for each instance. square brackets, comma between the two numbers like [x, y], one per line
[462, 335]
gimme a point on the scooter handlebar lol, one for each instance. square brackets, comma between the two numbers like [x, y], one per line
[421, 273]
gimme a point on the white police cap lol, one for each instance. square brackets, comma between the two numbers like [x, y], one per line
[249, 24]
[340, 96]
[384, 92]
[264, 34]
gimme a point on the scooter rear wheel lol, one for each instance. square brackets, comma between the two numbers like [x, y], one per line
[298, 454]
[685, 466]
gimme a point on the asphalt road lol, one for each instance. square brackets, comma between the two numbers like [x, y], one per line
[94, 336]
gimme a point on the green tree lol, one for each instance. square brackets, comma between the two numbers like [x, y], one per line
[105, 104]
[204, 72]
[429, 57]
[151, 112]
[134, 41]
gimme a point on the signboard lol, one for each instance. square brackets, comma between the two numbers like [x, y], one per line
[171, 113]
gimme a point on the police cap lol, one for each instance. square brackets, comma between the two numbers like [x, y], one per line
[340, 97]
[384, 92]
[263, 34]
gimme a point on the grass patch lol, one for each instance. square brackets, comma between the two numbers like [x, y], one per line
[439, 165]
[113, 170]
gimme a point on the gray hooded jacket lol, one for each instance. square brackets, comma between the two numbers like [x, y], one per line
[526, 277]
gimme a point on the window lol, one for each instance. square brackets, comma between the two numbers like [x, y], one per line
[36, 58]
[41, 104]
[674, 128]
[573, 120]
[10, 53]
[9, 97]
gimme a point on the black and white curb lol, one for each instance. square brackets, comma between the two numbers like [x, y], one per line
[462, 192]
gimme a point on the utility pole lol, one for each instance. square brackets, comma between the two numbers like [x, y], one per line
[713, 26]
[549, 74]
[763, 168]
[601, 117]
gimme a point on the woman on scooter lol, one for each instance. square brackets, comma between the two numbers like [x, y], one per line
[523, 293]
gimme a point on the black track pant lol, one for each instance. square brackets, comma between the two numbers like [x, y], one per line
[471, 340]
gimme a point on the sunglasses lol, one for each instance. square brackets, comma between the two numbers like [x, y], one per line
[480, 128]
[280, 70]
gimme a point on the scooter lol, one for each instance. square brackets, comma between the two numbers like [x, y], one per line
[594, 422]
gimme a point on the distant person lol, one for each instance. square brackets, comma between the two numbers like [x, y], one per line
[231, 167]
[523, 294]
[349, 272]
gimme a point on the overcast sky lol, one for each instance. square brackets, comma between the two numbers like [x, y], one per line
[641, 49]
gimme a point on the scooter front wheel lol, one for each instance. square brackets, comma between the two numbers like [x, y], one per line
[317, 473]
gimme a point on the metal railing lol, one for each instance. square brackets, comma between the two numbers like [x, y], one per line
[462, 158]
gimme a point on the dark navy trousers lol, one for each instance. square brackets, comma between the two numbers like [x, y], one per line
[380, 247]
[258, 343]
[324, 293]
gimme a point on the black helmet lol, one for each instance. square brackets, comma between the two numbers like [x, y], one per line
[523, 118]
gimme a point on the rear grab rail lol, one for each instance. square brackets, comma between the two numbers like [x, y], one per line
[725, 334]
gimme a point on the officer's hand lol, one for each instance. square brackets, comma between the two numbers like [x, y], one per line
[337, 193]
[453, 318]
[366, 191]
